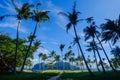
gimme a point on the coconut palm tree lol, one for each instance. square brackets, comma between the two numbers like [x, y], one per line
[92, 47]
[61, 49]
[73, 20]
[52, 56]
[69, 54]
[40, 55]
[44, 57]
[57, 59]
[72, 59]
[22, 13]
[94, 33]
[91, 32]
[116, 52]
[80, 58]
[38, 17]
[110, 30]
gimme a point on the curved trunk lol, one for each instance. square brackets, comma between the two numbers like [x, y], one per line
[16, 48]
[82, 52]
[101, 62]
[29, 47]
[105, 54]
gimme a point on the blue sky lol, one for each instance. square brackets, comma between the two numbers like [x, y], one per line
[53, 33]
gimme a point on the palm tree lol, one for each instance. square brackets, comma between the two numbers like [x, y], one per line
[61, 49]
[57, 59]
[22, 13]
[92, 47]
[44, 57]
[80, 58]
[52, 56]
[40, 55]
[110, 30]
[38, 17]
[116, 52]
[69, 55]
[73, 20]
[92, 32]
[72, 59]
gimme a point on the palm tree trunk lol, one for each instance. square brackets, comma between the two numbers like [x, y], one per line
[96, 60]
[106, 54]
[29, 47]
[109, 45]
[16, 48]
[82, 52]
[62, 59]
[101, 62]
[39, 63]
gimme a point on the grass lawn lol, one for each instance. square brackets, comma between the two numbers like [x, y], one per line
[75, 75]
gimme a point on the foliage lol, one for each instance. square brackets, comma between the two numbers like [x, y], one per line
[7, 52]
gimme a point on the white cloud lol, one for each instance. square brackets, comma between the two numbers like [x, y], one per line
[13, 26]
[7, 6]
[10, 22]
[43, 50]
[36, 58]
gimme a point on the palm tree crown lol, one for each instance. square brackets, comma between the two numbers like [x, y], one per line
[111, 30]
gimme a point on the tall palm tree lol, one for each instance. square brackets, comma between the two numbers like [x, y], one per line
[52, 56]
[69, 55]
[80, 58]
[61, 49]
[72, 59]
[92, 47]
[73, 20]
[57, 59]
[110, 30]
[44, 57]
[38, 17]
[116, 52]
[92, 32]
[40, 55]
[22, 13]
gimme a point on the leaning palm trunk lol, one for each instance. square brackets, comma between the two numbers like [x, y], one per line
[16, 48]
[29, 47]
[82, 51]
[101, 62]
[106, 54]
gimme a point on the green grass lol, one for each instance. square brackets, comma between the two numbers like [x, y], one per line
[75, 75]
[85, 75]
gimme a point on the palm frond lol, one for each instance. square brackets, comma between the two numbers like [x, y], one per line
[68, 26]
[62, 13]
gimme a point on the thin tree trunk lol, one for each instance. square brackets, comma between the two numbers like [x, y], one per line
[101, 62]
[106, 54]
[39, 63]
[16, 48]
[110, 45]
[96, 59]
[29, 47]
[82, 52]
[62, 59]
